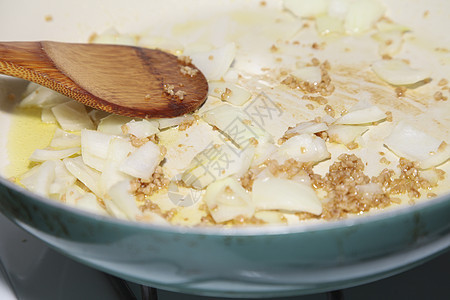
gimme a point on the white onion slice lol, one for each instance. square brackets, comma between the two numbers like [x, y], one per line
[112, 124]
[282, 194]
[72, 116]
[270, 217]
[227, 199]
[72, 194]
[31, 87]
[307, 127]
[262, 152]
[312, 75]
[345, 134]
[63, 179]
[97, 115]
[338, 8]
[369, 189]
[143, 161]
[235, 124]
[303, 148]
[306, 8]
[125, 201]
[438, 157]
[362, 15]
[216, 62]
[94, 147]
[398, 72]
[64, 139]
[165, 123]
[89, 202]
[96, 142]
[94, 161]
[47, 116]
[142, 129]
[118, 151]
[390, 42]
[229, 92]
[326, 25]
[430, 175]
[362, 114]
[40, 155]
[43, 97]
[84, 173]
[39, 178]
[216, 162]
[114, 210]
[415, 145]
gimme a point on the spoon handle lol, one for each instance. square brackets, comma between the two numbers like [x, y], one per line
[126, 80]
[30, 61]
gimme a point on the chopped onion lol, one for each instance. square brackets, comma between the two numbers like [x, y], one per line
[338, 8]
[436, 158]
[362, 15]
[43, 97]
[312, 75]
[165, 123]
[308, 127]
[408, 142]
[270, 217]
[64, 139]
[216, 62]
[84, 173]
[362, 114]
[47, 116]
[345, 134]
[89, 202]
[216, 162]
[118, 151]
[40, 155]
[262, 152]
[142, 129]
[229, 92]
[31, 87]
[143, 161]
[93, 161]
[39, 178]
[306, 8]
[114, 210]
[72, 116]
[125, 201]
[282, 194]
[390, 42]
[94, 147]
[369, 189]
[430, 175]
[63, 179]
[227, 199]
[72, 194]
[112, 124]
[303, 148]
[398, 72]
[388, 25]
[97, 115]
[235, 124]
[326, 25]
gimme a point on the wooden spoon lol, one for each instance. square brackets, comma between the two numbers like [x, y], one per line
[124, 80]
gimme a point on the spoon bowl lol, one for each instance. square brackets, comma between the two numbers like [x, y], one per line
[124, 80]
